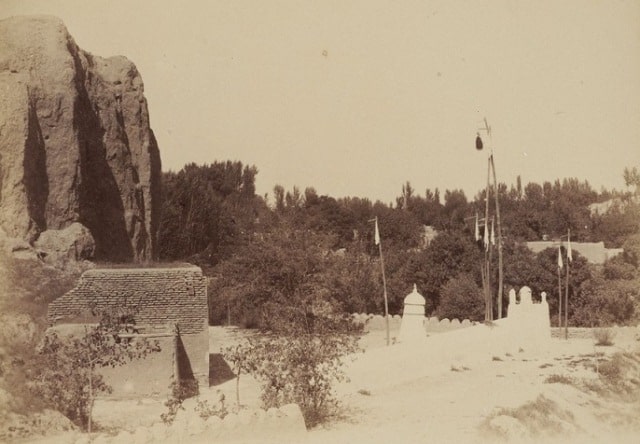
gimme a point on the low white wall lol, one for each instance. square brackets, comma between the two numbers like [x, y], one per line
[376, 322]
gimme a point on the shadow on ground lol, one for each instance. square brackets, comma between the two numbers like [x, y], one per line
[219, 370]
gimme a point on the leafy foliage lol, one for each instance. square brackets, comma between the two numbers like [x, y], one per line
[206, 210]
[179, 391]
[602, 302]
[461, 298]
[300, 361]
[66, 376]
[322, 247]
[206, 410]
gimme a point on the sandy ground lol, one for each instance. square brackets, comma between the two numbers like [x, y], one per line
[440, 390]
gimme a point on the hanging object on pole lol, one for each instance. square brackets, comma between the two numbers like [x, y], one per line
[479, 145]
[477, 230]
[493, 233]
[486, 235]
[560, 263]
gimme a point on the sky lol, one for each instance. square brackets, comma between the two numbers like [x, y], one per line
[355, 98]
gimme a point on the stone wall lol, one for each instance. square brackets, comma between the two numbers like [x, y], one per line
[160, 299]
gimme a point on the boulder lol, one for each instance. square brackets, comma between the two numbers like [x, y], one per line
[74, 242]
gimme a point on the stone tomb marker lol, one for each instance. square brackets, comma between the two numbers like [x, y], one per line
[412, 327]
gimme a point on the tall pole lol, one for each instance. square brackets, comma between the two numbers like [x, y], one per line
[499, 227]
[559, 296]
[491, 167]
[566, 289]
[489, 309]
[384, 280]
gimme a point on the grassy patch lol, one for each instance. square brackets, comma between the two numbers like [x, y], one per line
[539, 418]
[558, 379]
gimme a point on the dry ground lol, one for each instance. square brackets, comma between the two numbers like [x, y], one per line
[397, 394]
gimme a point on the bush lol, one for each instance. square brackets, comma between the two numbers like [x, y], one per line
[612, 372]
[300, 361]
[65, 375]
[603, 336]
[461, 298]
[601, 302]
[179, 391]
[206, 410]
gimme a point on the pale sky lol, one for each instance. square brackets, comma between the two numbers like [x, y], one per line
[355, 98]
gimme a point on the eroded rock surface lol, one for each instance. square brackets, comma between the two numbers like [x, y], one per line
[75, 142]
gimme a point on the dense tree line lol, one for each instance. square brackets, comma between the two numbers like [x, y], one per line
[301, 247]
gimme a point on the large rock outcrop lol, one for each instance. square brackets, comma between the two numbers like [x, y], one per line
[75, 142]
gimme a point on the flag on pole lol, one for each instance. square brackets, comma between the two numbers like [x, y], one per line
[486, 235]
[569, 255]
[560, 264]
[493, 234]
[376, 238]
[477, 232]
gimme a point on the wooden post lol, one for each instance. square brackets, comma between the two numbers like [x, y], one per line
[384, 285]
[559, 299]
[499, 227]
[566, 290]
[489, 309]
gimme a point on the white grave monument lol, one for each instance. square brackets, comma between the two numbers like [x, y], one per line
[412, 327]
[528, 323]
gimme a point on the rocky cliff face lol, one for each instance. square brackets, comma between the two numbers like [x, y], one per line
[75, 142]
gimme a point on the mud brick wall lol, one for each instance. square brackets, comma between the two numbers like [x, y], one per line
[159, 298]
[150, 376]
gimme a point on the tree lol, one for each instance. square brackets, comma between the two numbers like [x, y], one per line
[461, 298]
[66, 373]
[604, 303]
[301, 358]
[206, 210]
[632, 178]
[450, 253]
[285, 265]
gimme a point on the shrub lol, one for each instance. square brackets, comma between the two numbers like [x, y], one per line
[612, 372]
[601, 302]
[206, 410]
[603, 336]
[242, 358]
[65, 374]
[461, 298]
[301, 360]
[179, 391]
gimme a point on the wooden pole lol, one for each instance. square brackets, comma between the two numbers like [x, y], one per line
[489, 309]
[566, 291]
[559, 299]
[384, 286]
[499, 227]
